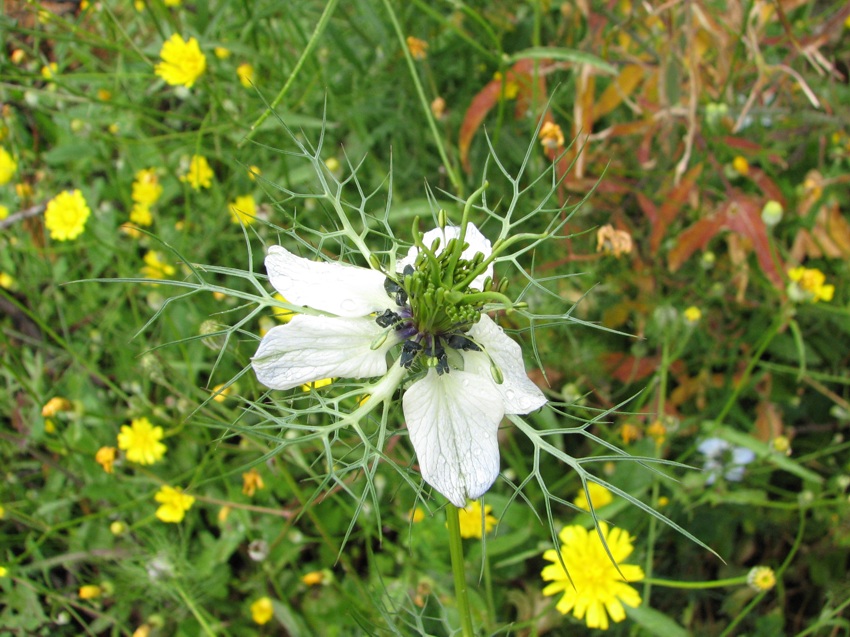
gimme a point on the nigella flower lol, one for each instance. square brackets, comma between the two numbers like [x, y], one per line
[466, 372]
[721, 458]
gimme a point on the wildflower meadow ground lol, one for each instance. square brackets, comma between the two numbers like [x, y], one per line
[425, 318]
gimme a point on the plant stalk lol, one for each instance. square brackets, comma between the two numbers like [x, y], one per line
[459, 570]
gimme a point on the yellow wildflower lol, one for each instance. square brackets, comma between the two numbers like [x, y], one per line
[551, 136]
[118, 528]
[220, 392]
[223, 514]
[284, 316]
[3, 571]
[7, 281]
[90, 591]
[139, 5]
[4, 212]
[56, 405]
[49, 426]
[313, 578]
[8, 166]
[657, 431]
[104, 95]
[49, 71]
[761, 578]
[145, 629]
[141, 215]
[222, 53]
[629, 433]
[23, 190]
[595, 587]
[199, 174]
[245, 73]
[472, 522]
[243, 210]
[182, 61]
[254, 172]
[251, 481]
[807, 286]
[141, 441]
[781, 444]
[173, 504]
[66, 215]
[2, 512]
[693, 314]
[105, 457]
[510, 88]
[317, 384]
[612, 241]
[262, 611]
[741, 165]
[155, 267]
[172, 3]
[418, 48]
[599, 496]
[146, 188]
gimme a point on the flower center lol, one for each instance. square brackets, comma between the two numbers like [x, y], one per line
[435, 315]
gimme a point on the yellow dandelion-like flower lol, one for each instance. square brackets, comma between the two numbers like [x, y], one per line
[200, 174]
[221, 52]
[55, 405]
[254, 172]
[155, 267]
[104, 95]
[741, 165]
[172, 3]
[139, 5]
[761, 578]
[416, 514]
[657, 431]
[4, 212]
[313, 578]
[692, 314]
[599, 496]
[220, 392]
[245, 73]
[7, 281]
[418, 48]
[173, 504]
[182, 61]
[141, 441]
[808, 286]
[90, 591]
[594, 588]
[243, 210]
[510, 88]
[146, 188]
[118, 528]
[49, 71]
[66, 215]
[262, 611]
[470, 518]
[317, 384]
[630, 432]
[551, 136]
[251, 481]
[141, 214]
[105, 457]
[2, 512]
[8, 166]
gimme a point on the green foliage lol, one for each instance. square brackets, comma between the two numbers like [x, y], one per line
[680, 127]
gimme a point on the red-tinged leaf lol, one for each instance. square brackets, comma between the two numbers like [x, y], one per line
[673, 203]
[484, 101]
[648, 208]
[692, 239]
[739, 143]
[767, 185]
[627, 368]
[743, 216]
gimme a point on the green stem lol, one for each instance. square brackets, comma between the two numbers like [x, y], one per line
[311, 44]
[765, 341]
[717, 583]
[459, 570]
[451, 171]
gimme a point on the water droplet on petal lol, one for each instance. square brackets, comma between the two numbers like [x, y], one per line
[348, 305]
[510, 394]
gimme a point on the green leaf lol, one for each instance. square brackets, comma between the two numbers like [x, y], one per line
[563, 55]
[655, 623]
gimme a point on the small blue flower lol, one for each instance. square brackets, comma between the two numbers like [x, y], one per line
[721, 458]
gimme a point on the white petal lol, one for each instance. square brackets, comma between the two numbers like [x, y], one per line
[520, 394]
[344, 290]
[477, 243]
[453, 419]
[311, 348]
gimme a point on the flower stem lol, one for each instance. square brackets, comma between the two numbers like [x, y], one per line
[459, 570]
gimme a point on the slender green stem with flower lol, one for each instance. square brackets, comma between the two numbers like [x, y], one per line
[459, 570]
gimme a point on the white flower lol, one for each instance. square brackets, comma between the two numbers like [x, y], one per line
[721, 458]
[477, 243]
[452, 416]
